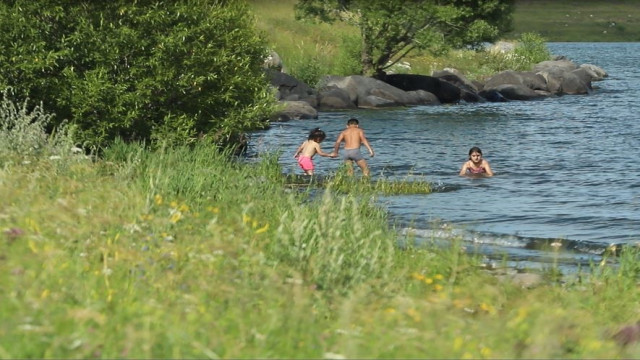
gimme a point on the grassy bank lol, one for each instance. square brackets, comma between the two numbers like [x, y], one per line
[188, 253]
[579, 21]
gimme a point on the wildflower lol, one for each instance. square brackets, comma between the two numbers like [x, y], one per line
[262, 229]
[428, 281]
[245, 218]
[485, 352]
[457, 343]
[438, 277]
[183, 208]
[438, 287]
[14, 233]
[158, 199]
[213, 209]
[174, 204]
[175, 217]
[417, 276]
[413, 314]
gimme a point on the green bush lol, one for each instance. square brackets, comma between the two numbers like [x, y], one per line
[160, 70]
[23, 135]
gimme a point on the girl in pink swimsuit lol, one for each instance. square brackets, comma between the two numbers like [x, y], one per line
[476, 165]
[307, 150]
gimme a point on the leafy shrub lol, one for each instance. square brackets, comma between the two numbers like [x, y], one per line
[532, 47]
[169, 70]
[23, 132]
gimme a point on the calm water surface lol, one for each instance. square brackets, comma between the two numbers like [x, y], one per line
[566, 167]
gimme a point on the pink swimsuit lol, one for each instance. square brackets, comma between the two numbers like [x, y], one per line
[305, 163]
[479, 170]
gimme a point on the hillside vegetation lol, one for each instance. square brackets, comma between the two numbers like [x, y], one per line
[310, 50]
[579, 21]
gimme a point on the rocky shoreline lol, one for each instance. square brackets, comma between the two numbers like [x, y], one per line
[556, 77]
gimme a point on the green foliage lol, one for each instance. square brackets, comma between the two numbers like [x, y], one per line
[392, 29]
[23, 132]
[348, 61]
[186, 252]
[533, 49]
[169, 70]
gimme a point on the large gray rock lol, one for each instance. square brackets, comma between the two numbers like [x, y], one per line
[517, 92]
[296, 110]
[528, 79]
[370, 92]
[333, 97]
[573, 84]
[291, 89]
[600, 74]
[444, 91]
[564, 65]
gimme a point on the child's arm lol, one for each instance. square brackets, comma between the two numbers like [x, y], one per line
[487, 168]
[336, 146]
[322, 153]
[295, 155]
[363, 139]
[463, 171]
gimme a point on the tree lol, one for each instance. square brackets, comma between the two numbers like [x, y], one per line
[138, 70]
[390, 29]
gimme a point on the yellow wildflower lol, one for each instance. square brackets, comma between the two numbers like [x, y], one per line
[417, 276]
[262, 229]
[175, 217]
[158, 199]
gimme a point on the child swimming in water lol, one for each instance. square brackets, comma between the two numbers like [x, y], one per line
[476, 165]
[308, 149]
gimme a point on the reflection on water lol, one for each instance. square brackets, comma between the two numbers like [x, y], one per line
[565, 167]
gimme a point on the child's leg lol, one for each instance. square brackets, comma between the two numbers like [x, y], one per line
[349, 167]
[362, 163]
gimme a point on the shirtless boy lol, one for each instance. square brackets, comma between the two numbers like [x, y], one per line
[353, 138]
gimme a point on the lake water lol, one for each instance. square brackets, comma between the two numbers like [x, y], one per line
[566, 167]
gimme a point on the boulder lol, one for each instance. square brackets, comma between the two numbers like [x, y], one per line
[517, 92]
[573, 84]
[273, 61]
[492, 95]
[360, 88]
[444, 91]
[333, 97]
[564, 65]
[291, 89]
[296, 110]
[598, 71]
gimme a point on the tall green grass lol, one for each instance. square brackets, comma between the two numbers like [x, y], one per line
[187, 252]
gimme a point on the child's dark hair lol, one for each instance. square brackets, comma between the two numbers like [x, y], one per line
[352, 121]
[474, 149]
[317, 135]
